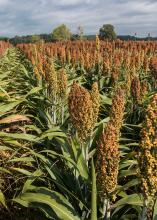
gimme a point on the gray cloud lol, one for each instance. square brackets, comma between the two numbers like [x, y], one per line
[21, 17]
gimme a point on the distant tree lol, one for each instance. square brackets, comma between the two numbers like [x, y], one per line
[74, 37]
[80, 32]
[4, 39]
[107, 32]
[61, 33]
[35, 39]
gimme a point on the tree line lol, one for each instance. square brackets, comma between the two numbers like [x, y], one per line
[63, 33]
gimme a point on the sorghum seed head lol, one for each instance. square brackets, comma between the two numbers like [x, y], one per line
[147, 157]
[107, 161]
[95, 96]
[81, 110]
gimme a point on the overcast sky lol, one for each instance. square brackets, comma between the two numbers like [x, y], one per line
[22, 17]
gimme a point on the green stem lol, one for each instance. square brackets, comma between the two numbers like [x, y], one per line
[54, 110]
[62, 114]
[106, 209]
[144, 210]
[94, 194]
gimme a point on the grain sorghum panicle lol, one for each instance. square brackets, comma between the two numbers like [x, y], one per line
[97, 41]
[95, 96]
[62, 83]
[147, 157]
[153, 67]
[136, 89]
[107, 161]
[117, 110]
[81, 110]
[51, 77]
[107, 148]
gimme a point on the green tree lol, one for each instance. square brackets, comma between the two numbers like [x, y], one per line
[61, 32]
[107, 32]
[35, 38]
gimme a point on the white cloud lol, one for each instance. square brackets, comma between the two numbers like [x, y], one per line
[4, 2]
[70, 2]
[38, 16]
[75, 2]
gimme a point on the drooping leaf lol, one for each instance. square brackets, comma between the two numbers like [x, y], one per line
[133, 199]
[52, 199]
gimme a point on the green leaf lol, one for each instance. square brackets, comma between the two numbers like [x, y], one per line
[106, 100]
[34, 90]
[55, 201]
[28, 184]
[23, 171]
[105, 120]
[4, 170]
[7, 107]
[52, 133]
[97, 135]
[134, 199]
[131, 183]
[3, 148]
[82, 166]
[2, 199]
[130, 172]
[26, 137]
[155, 211]
[22, 159]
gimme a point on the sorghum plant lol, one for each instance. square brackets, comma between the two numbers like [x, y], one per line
[107, 152]
[148, 156]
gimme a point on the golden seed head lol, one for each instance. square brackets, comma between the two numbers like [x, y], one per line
[147, 157]
[36, 72]
[107, 161]
[136, 89]
[97, 41]
[153, 67]
[107, 149]
[51, 77]
[95, 96]
[62, 83]
[117, 110]
[81, 110]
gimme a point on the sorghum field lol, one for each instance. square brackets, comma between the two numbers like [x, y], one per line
[78, 130]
